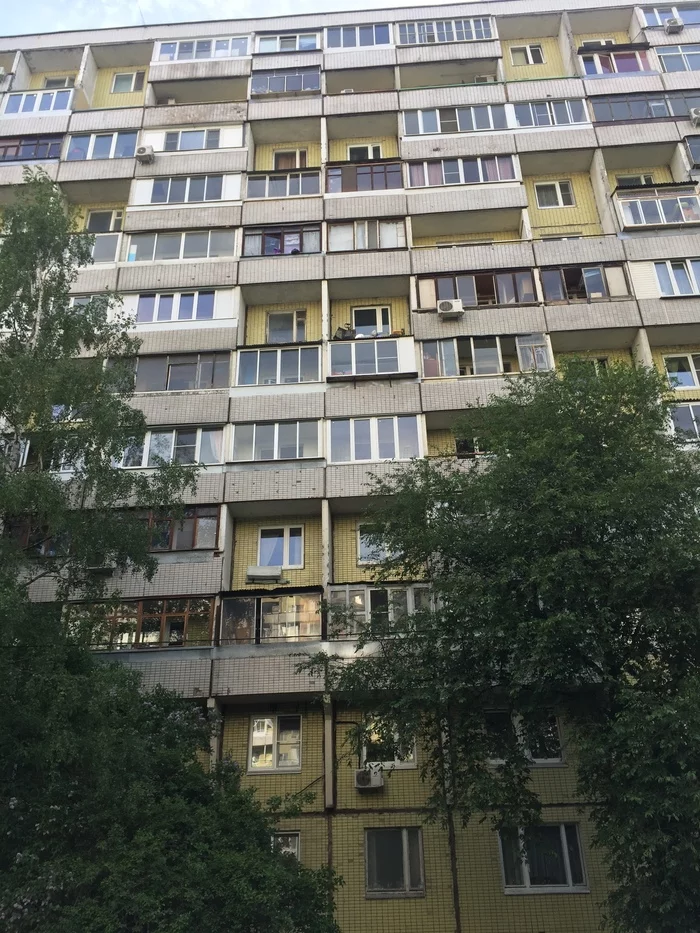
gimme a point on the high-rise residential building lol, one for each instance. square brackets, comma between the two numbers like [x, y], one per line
[335, 232]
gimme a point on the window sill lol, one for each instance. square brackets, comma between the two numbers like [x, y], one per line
[253, 771]
[391, 895]
[676, 297]
[546, 890]
[370, 377]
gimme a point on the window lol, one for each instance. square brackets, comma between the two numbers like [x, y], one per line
[683, 370]
[285, 440]
[679, 57]
[488, 288]
[445, 30]
[596, 43]
[275, 743]
[657, 15]
[351, 37]
[28, 148]
[181, 445]
[584, 283]
[34, 537]
[359, 439]
[607, 63]
[527, 55]
[281, 547]
[542, 858]
[353, 606]
[283, 186]
[366, 234]
[182, 371]
[200, 244]
[262, 620]
[454, 120]
[364, 153]
[286, 326]
[377, 177]
[486, 356]
[287, 843]
[659, 207]
[187, 189]
[282, 241]
[551, 113]
[693, 145]
[364, 357]
[54, 83]
[196, 530]
[686, 421]
[103, 221]
[101, 146]
[461, 171]
[159, 623]
[39, 101]
[106, 226]
[634, 181]
[128, 82]
[644, 106]
[300, 42]
[555, 194]
[201, 49]
[540, 741]
[378, 753]
[371, 322]
[188, 140]
[285, 81]
[394, 862]
[288, 159]
[183, 306]
[678, 277]
[278, 367]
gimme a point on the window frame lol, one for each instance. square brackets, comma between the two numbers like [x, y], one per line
[154, 520]
[544, 342]
[517, 285]
[275, 769]
[53, 144]
[183, 234]
[527, 49]
[205, 139]
[421, 29]
[374, 438]
[89, 157]
[39, 95]
[347, 590]
[188, 179]
[676, 12]
[358, 45]
[299, 322]
[214, 40]
[302, 230]
[594, 56]
[357, 228]
[463, 180]
[300, 156]
[134, 610]
[602, 268]
[376, 893]
[440, 118]
[299, 174]
[520, 733]
[276, 442]
[256, 634]
[343, 179]
[559, 189]
[354, 345]
[688, 268]
[380, 554]
[678, 51]
[171, 359]
[146, 446]
[396, 764]
[693, 370]
[658, 196]
[289, 35]
[175, 306]
[295, 851]
[286, 537]
[694, 412]
[285, 73]
[273, 348]
[527, 887]
[552, 112]
[137, 84]
[381, 312]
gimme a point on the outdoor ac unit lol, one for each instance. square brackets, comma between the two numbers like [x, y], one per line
[145, 155]
[369, 779]
[348, 90]
[450, 310]
[263, 574]
[171, 101]
[673, 25]
[695, 116]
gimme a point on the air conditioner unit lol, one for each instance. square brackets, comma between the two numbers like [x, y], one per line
[263, 574]
[171, 101]
[695, 116]
[369, 779]
[673, 25]
[348, 90]
[145, 155]
[450, 310]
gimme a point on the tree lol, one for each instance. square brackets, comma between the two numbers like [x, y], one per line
[565, 568]
[108, 821]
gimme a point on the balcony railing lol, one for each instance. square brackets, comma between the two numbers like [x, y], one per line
[659, 207]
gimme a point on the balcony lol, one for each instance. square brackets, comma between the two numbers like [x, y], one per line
[28, 112]
[647, 207]
[369, 359]
[270, 620]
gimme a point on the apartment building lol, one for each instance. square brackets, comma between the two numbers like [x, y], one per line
[334, 232]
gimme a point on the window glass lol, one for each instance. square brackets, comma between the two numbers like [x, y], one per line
[271, 547]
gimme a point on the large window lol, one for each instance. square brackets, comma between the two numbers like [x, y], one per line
[285, 81]
[182, 371]
[283, 440]
[281, 547]
[186, 189]
[608, 63]
[488, 288]
[364, 357]
[543, 858]
[678, 277]
[262, 620]
[644, 106]
[551, 113]
[179, 445]
[200, 244]
[366, 234]
[196, 530]
[188, 140]
[101, 146]
[584, 283]
[159, 623]
[282, 241]
[683, 370]
[428, 32]
[679, 57]
[376, 176]
[486, 356]
[180, 306]
[686, 421]
[29, 148]
[350, 37]
[289, 42]
[658, 15]
[278, 367]
[275, 743]
[657, 206]
[394, 862]
[461, 171]
[455, 120]
[352, 607]
[363, 439]
[38, 101]
[202, 49]
[283, 186]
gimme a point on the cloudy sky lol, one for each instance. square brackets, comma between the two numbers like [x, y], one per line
[20, 17]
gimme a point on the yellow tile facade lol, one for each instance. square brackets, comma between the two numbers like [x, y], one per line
[245, 550]
[441, 443]
[552, 67]
[256, 320]
[341, 312]
[265, 153]
[103, 97]
[581, 217]
[338, 148]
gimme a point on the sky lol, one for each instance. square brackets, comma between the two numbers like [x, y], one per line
[20, 17]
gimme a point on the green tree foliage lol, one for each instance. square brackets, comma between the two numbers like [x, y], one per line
[566, 569]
